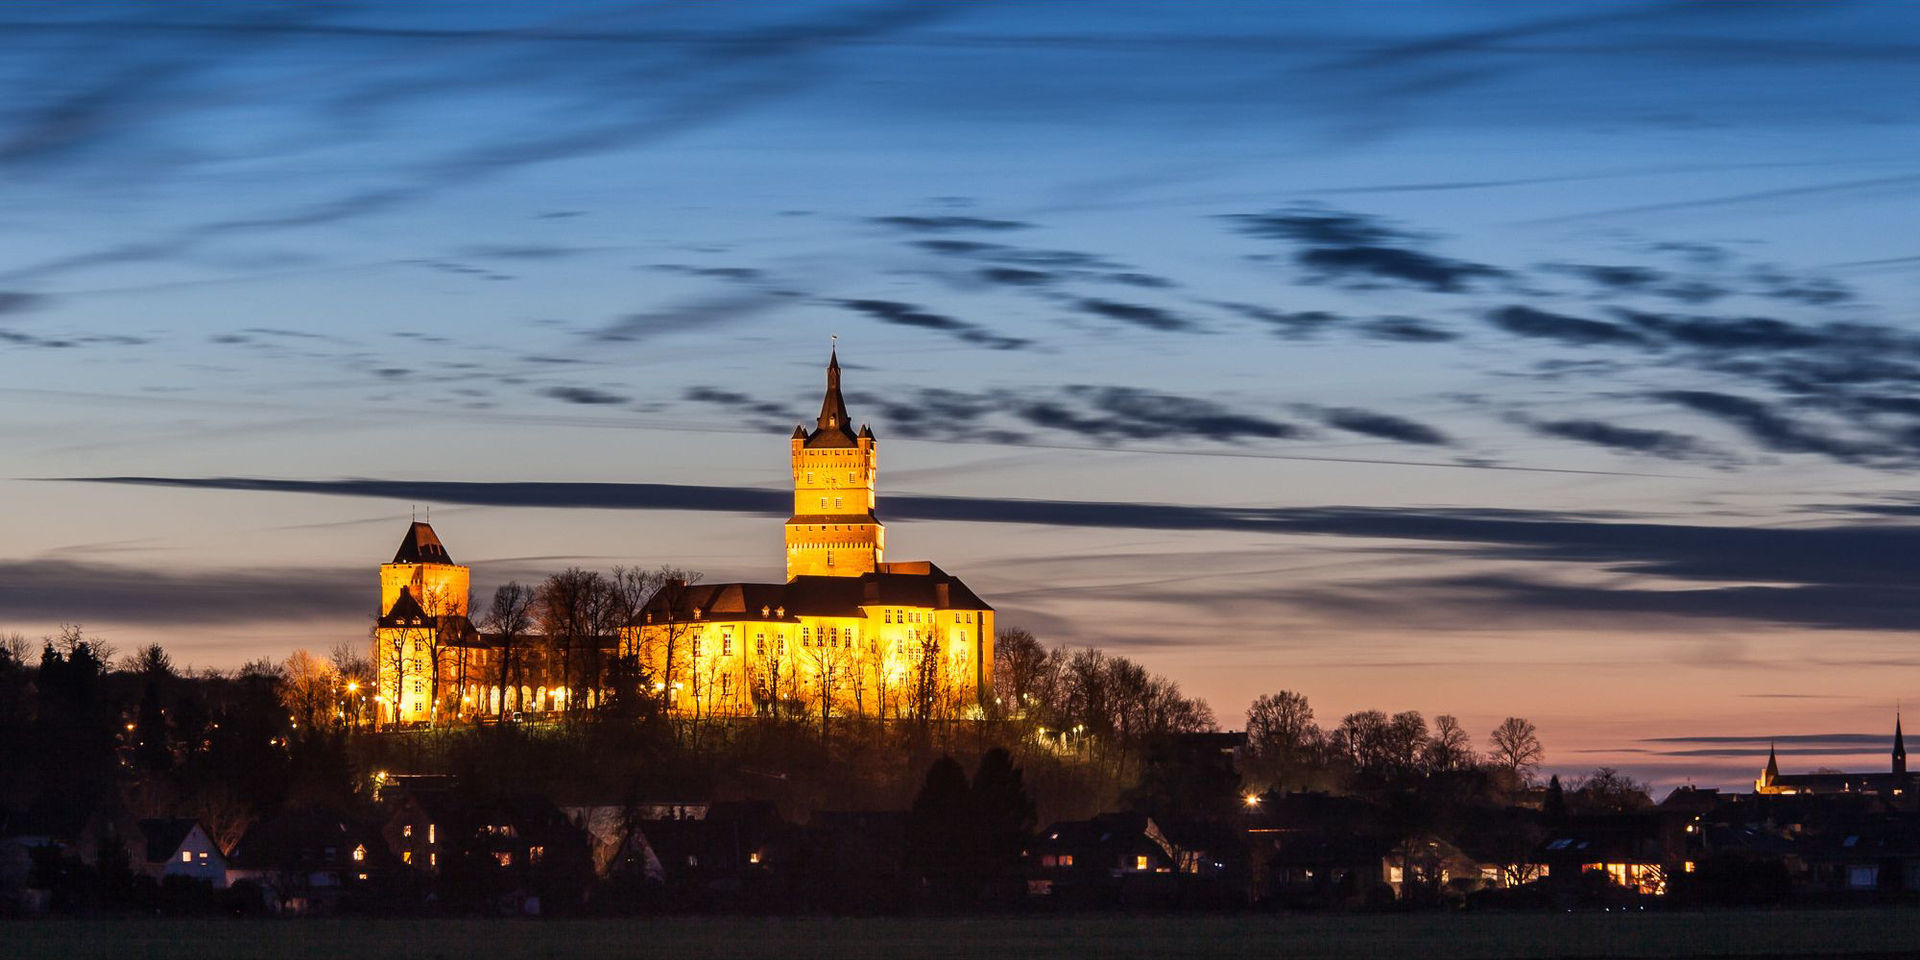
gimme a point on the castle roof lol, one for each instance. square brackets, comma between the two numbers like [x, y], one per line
[406, 611]
[833, 427]
[912, 584]
[421, 545]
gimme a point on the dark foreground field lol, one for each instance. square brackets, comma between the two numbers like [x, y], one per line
[1854, 933]
[1880, 934]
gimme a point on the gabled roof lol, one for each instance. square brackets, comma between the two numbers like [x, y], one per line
[421, 545]
[164, 836]
[406, 611]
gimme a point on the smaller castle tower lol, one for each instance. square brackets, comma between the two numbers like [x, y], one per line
[423, 601]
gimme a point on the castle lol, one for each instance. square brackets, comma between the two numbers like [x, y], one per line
[1892, 783]
[848, 632]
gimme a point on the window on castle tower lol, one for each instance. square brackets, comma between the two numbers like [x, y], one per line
[823, 503]
[809, 476]
[836, 503]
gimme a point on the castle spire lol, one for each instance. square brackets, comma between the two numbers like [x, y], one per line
[833, 407]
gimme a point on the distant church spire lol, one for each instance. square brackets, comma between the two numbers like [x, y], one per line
[1773, 765]
[1899, 748]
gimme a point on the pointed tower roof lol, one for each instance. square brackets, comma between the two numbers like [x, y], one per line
[832, 429]
[421, 546]
[1773, 765]
[1899, 739]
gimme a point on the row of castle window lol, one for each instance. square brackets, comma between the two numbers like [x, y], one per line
[851, 478]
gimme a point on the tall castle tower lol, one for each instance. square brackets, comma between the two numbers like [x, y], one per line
[833, 531]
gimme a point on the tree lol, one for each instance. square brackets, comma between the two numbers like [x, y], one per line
[510, 618]
[1607, 790]
[664, 627]
[1019, 660]
[1283, 744]
[308, 691]
[354, 677]
[1003, 812]
[939, 842]
[573, 608]
[1449, 749]
[1516, 747]
[442, 638]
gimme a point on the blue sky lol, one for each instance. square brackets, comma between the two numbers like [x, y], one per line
[1555, 359]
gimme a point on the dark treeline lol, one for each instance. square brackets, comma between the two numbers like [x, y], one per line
[269, 756]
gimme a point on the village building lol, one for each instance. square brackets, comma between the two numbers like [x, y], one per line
[1892, 783]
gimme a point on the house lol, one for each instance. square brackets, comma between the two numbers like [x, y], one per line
[308, 861]
[1316, 849]
[727, 859]
[180, 847]
[1084, 862]
[1637, 852]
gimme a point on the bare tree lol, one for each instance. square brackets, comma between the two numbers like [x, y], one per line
[571, 615]
[1516, 747]
[1449, 748]
[439, 641]
[1018, 662]
[308, 691]
[829, 664]
[353, 674]
[664, 628]
[510, 619]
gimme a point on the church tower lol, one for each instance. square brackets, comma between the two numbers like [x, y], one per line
[833, 531]
[1899, 754]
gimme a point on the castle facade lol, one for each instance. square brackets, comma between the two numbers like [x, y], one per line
[848, 632]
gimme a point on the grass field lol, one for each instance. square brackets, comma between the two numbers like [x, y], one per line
[1851, 933]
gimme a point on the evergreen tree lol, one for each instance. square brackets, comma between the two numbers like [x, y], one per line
[940, 840]
[1003, 812]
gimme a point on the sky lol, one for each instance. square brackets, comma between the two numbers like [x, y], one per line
[1556, 360]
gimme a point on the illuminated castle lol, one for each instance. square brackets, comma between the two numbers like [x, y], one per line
[1892, 783]
[847, 630]
[423, 617]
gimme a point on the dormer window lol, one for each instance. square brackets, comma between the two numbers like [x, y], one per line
[696, 613]
[763, 610]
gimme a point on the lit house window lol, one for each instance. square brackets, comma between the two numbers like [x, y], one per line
[1140, 862]
[726, 644]
[186, 857]
[406, 830]
[360, 853]
[430, 837]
